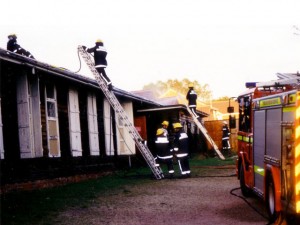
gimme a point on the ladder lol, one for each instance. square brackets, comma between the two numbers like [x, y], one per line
[122, 115]
[205, 133]
[283, 79]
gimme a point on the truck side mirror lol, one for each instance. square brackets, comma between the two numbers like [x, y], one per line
[230, 109]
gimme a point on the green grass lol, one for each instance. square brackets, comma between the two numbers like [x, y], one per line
[41, 206]
[199, 161]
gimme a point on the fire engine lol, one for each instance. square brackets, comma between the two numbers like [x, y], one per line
[268, 163]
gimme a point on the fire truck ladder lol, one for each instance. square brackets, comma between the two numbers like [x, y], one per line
[122, 115]
[205, 133]
[283, 79]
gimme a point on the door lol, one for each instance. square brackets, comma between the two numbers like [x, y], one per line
[108, 129]
[74, 121]
[1, 135]
[24, 117]
[93, 125]
[126, 144]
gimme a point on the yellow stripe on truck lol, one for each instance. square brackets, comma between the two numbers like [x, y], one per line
[259, 170]
[297, 155]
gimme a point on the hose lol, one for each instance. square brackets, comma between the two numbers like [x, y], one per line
[248, 203]
[79, 62]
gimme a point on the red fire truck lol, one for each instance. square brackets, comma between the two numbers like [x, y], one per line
[269, 143]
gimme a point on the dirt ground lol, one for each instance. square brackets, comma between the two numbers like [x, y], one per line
[202, 199]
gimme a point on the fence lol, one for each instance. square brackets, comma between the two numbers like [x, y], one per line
[214, 128]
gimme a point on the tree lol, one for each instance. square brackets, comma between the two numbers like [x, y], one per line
[223, 98]
[160, 87]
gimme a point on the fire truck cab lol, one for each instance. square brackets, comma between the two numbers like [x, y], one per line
[268, 163]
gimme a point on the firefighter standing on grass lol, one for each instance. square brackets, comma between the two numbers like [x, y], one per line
[164, 154]
[100, 60]
[165, 125]
[225, 138]
[181, 150]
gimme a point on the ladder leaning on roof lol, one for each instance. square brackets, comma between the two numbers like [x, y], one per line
[205, 133]
[122, 115]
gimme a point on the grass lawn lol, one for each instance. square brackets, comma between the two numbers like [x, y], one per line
[32, 207]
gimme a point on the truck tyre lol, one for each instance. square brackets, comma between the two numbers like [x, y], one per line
[271, 200]
[245, 190]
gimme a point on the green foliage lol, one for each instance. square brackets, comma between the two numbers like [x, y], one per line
[160, 87]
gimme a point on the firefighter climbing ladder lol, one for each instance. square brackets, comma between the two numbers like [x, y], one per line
[205, 133]
[122, 115]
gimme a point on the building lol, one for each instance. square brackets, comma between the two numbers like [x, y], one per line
[56, 123]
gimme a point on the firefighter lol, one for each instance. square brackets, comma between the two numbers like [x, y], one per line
[165, 125]
[225, 139]
[181, 150]
[191, 96]
[100, 60]
[16, 48]
[164, 154]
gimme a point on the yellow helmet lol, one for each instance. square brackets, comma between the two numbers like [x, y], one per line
[165, 123]
[99, 41]
[177, 125]
[159, 131]
[191, 85]
[12, 36]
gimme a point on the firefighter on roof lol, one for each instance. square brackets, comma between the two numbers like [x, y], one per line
[181, 149]
[225, 138]
[164, 154]
[14, 47]
[192, 99]
[100, 60]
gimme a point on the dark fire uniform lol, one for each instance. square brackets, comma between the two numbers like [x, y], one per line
[163, 150]
[225, 139]
[181, 149]
[191, 96]
[14, 47]
[100, 54]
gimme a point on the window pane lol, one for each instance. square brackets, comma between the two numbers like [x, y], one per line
[51, 109]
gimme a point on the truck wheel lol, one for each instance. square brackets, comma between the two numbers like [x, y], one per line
[245, 190]
[270, 200]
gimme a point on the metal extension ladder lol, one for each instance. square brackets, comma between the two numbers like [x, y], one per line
[122, 115]
[204, 131]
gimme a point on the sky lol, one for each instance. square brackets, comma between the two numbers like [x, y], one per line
[222, 43]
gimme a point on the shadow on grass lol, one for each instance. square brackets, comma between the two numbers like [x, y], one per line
[41, 206]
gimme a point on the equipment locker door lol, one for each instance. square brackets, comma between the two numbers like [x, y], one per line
[259, 145]
[273, 133]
